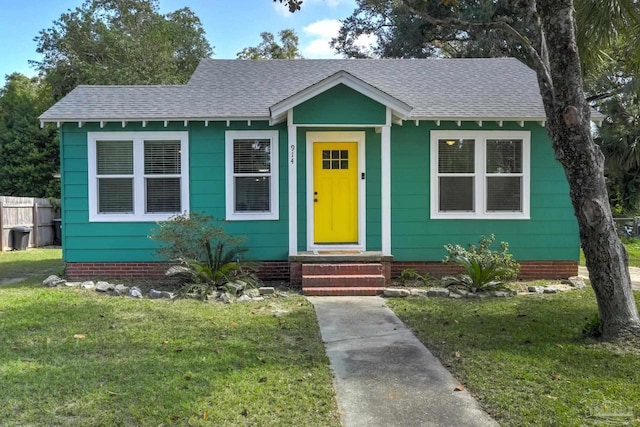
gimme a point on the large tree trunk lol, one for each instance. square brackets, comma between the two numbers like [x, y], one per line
[569, 127]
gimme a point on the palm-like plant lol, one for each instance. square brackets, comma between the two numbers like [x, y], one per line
[209, 259]
[218, 271]
[483, 267]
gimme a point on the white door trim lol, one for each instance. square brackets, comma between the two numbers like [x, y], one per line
[359, 138]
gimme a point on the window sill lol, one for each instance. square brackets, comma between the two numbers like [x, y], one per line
[269, 216]
[474, 216]
[131, 217]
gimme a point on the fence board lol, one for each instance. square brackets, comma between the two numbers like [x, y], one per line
[27, 211]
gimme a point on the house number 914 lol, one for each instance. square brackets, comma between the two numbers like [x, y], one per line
[293, 155]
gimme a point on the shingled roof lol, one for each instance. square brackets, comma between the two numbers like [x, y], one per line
[433, 89]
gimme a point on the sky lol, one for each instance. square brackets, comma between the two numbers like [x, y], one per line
[230, 25]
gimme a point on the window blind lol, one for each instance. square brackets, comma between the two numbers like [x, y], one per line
[114, 157]
[456, 156]
[252, 175]
[162, 186]
[162, 157]
[456, 193]
[504, 156]
[115, 195]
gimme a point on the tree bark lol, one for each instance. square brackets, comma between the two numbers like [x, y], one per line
[569, 126]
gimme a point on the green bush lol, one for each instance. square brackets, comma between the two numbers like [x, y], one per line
[483, 267]
[592, 327]
[208, 258]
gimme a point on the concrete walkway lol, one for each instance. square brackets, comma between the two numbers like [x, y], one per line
[634, 272]
[383, 375]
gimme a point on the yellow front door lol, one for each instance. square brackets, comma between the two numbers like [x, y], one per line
[335, 181]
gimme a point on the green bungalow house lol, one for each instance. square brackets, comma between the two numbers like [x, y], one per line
[340, 173]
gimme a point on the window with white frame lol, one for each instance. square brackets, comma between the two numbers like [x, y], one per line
[480, 174]
[137, 176]
[251, 175]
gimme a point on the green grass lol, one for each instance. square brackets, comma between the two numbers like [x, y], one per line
[633, 249]
[525, 359]
[29, 263]
[71, 357]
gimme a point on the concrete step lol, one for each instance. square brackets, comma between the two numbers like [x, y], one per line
[342, 291]
[343, 269]
[343, 281]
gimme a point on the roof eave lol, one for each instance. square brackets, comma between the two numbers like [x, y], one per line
[144, 120]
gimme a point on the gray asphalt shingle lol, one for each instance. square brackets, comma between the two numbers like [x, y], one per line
[500, 88]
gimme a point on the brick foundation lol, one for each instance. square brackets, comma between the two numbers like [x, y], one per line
[529, 270]
[113, 270]
[268, 270]
[283, 270]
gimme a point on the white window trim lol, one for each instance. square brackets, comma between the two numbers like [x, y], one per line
[480, 173]
[231, 214]
[138, 139]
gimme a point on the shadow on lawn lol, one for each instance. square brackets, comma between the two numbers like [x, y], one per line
[540, 332]
[31, 263]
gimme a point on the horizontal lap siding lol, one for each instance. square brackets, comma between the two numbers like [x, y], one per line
[127, 241]
[340, 105]
[550, 234]
[373, 177]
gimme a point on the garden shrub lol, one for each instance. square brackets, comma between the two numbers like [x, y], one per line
[483, 267]
[209, 259]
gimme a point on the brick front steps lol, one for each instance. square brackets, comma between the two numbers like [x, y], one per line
[343, 279]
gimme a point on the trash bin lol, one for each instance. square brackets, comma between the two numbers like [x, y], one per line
[21, 237]
[57, 231]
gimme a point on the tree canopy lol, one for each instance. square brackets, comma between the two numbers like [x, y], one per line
[270, 49]
[400, 31]
[120, 42]
[28, 154]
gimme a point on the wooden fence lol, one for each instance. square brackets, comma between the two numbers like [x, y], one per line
[31, 212]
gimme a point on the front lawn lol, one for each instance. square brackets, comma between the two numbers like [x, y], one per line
[525, 359]
[72, 357]
[30, 263]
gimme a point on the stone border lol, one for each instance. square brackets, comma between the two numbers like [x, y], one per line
[572, 283]
[243, 294]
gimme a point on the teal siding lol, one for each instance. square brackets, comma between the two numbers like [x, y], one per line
[550, 234]
[127, 241]
[340, 105]
[373, 177]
